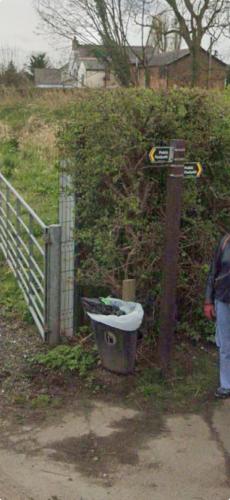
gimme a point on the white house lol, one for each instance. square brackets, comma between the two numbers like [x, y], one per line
[84, 69]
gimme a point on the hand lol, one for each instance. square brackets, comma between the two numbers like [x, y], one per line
[209, 311]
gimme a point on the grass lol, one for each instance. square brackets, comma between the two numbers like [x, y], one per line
[12, 303]
[28, 152]
[29, 160]
[188, 386]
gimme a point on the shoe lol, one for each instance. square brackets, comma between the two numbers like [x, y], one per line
[222, 393]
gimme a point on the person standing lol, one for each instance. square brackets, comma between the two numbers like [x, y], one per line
[217, 307]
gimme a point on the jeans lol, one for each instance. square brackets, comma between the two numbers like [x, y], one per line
[223, 341]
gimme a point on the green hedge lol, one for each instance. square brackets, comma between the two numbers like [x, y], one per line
[121, 204]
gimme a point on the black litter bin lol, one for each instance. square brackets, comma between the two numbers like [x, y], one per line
[117, 347]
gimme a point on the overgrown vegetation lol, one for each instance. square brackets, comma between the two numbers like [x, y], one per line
[121, 201]
[193, 379]
[28, 158]
[29, 120]
[120, 219]
[67, 358]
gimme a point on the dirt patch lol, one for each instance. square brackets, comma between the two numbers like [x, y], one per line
[17, 344]
[100, 456]
[30, 392]
[92, 455]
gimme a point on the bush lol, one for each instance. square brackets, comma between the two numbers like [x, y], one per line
[121, 203]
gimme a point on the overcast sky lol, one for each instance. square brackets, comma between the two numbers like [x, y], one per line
[19, 32]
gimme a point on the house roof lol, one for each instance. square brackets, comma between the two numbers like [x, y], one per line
[173, 56]
[85, 51]
[135, 51]
[50, 76]
[93, 51]
[168, 57]
[94, 65]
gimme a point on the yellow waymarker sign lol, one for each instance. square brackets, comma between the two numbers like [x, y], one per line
[199, 169]
[152, 155]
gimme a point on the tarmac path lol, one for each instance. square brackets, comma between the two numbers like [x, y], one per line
[99, 451]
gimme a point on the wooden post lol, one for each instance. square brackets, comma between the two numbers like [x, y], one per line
[129, 290]
[171, 253]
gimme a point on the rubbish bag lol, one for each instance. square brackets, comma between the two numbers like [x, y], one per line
[101, 306]
[129, 321]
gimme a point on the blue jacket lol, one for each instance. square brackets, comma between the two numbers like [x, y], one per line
[218, 283]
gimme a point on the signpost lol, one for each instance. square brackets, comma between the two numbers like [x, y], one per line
[162, 154]
[193, 169]
[173, 158]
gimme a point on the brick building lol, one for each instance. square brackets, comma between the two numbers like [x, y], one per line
[166, 70]
[175, 69]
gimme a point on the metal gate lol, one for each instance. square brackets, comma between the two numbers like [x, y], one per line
[33, 252]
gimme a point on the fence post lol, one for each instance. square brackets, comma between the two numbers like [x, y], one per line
[53, 283]
[129, 290]
[67, 222]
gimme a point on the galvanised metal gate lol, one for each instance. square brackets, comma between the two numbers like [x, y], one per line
[33, 252]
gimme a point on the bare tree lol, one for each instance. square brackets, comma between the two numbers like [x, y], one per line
[100, 23]
[190, 20]
[197, 18]
[108, 25]
[9, 55]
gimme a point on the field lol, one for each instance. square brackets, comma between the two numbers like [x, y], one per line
[29, 160]
[28, 153]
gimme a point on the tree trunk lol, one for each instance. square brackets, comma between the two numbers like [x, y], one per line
[147, 77]
[195, 64]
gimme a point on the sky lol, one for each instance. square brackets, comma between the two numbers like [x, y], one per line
[19, 33]
[19, 24]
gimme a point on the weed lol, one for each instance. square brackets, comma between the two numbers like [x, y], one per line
[11, 299]
[182, 389]
[67, 358]
[20, 399]
[41, 401]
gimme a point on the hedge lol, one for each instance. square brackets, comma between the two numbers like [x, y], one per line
[121, 203]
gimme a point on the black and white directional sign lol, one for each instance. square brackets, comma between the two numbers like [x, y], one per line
[160, 154]
[193, 169]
